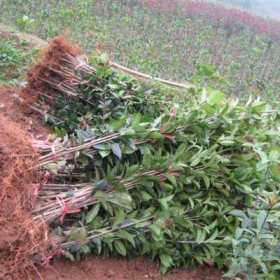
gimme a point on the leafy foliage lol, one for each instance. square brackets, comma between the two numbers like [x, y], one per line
[256, 241]
[184, 178]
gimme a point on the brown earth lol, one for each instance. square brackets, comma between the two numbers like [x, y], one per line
[18, 126]
[120, 269]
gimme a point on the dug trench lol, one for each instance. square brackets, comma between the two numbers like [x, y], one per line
[19, 234]
[22, 240]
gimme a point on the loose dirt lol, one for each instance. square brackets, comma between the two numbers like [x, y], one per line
[11, 107]
[119, 269]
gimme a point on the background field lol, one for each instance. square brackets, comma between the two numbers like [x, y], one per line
[267, 8]
[178, 40]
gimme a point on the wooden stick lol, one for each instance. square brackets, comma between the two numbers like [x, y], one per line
[149, 77]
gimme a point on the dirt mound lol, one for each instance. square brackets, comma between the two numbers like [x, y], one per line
[12, 108]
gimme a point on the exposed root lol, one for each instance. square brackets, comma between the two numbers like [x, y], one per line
[49, 68]
[24, 242]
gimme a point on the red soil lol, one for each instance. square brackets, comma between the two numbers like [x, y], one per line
[20, 238]
[120, 269]
[11, 107]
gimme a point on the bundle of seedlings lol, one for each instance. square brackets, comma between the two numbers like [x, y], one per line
[137, 170]
[71, 94]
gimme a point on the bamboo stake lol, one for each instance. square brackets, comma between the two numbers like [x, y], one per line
[149, 77]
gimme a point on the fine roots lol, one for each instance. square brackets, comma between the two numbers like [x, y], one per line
[24, 243]
[48, 67]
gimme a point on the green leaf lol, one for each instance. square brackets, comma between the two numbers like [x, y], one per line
[164, 201]
[127, 131]
[120, 216]
[213, 236]
[121, 199]
[167, 187]
[206, 181]
[102, 147]
[120, 248]
[85, 249]
[261, 219]
[155, 135]
[156, 231]
[195, 160]
[201, 235]
[117, 150]
[98, 244]
[104, 153]
[276, 267]
[101, 184]
[171, 179]
[78, 234]
[166, 261]
[146, 196]
[238, 213]
[92, 213]
[123, 234]
[215, 97]
[109, 242]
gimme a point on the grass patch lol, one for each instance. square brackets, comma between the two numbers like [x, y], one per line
[15, 57]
